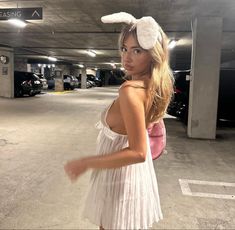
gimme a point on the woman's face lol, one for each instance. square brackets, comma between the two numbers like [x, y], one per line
[135, 60]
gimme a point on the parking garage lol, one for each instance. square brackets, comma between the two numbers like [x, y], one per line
[39, 133]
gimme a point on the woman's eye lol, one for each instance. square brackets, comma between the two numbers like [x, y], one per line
[137, 51]
[123, 49]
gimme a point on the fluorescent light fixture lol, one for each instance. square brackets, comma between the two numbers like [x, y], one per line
[81, 65]
[91, 53]
[17, 22]
[172, 44]
[52, 58]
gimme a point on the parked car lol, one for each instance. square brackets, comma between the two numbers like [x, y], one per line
[94, 79]
[89, 84]
[75, 80]
[26, 83]
[226, 98]
[69, 82]
[43, 80]
[51, 82]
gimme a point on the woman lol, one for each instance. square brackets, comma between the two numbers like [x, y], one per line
[124, 191]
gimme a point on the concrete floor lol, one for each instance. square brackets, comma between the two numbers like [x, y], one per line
[39, 134]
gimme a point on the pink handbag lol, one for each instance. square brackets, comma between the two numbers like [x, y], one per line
[157, 138]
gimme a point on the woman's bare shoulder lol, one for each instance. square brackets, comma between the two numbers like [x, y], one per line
[133, 91]
[137, 84]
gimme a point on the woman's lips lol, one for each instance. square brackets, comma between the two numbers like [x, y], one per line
[128, 67]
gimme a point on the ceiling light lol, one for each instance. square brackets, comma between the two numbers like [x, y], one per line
[172, 44]
[81, 65]
[52, 58]
[91, 53]
[17, 22]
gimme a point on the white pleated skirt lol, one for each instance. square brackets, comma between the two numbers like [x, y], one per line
[125, 197]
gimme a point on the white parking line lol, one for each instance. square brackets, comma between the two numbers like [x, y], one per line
[184, 184]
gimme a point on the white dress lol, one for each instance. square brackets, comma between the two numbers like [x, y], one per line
[125, 197]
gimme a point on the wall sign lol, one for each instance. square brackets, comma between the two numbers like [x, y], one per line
[4, 70]
[4, 59]
[21, 13]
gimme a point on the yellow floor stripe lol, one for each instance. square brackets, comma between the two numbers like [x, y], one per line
[62, 92]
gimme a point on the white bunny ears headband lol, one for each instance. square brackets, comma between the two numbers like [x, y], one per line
[147, 28]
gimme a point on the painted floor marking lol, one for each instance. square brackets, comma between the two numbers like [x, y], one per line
[184, 184]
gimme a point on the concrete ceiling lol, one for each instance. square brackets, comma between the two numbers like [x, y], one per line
[70, 27]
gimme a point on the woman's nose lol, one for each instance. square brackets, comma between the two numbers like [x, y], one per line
[127, 57]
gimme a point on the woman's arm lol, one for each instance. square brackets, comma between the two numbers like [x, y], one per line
[133, 114]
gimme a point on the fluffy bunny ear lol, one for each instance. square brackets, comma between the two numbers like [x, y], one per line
[148, 32]
[119, 18]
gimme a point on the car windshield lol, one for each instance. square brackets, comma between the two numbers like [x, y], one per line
[35, 77]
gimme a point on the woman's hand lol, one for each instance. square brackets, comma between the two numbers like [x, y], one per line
[75, 168]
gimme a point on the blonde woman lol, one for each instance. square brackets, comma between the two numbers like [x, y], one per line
[124, 191]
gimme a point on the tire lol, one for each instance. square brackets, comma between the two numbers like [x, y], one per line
[19, 93]
[31, 93]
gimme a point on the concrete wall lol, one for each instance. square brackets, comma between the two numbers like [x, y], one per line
[20, 64]
[7, 74]
[91, 71]
[75, 71]
[65, 69]
[228, 65]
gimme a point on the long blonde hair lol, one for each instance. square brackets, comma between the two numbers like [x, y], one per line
[161, 82]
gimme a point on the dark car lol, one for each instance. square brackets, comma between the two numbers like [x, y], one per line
[69, 82]
[226, 98]
[89, 84]
[26, 83]
[94, 79]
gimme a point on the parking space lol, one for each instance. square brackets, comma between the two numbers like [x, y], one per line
[39, 134]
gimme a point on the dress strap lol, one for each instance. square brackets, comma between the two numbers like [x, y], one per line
[134, 85]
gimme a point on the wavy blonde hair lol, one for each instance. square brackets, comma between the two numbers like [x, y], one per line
[161, 83]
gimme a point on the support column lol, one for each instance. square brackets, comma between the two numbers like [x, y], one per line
[83, 79]
[204, 85]
[59, 84]
[7, 72]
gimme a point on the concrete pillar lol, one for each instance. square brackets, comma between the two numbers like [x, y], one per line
[7, 72]
[83, 79]
[59, 83]
[204, 84]
[29, 69]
